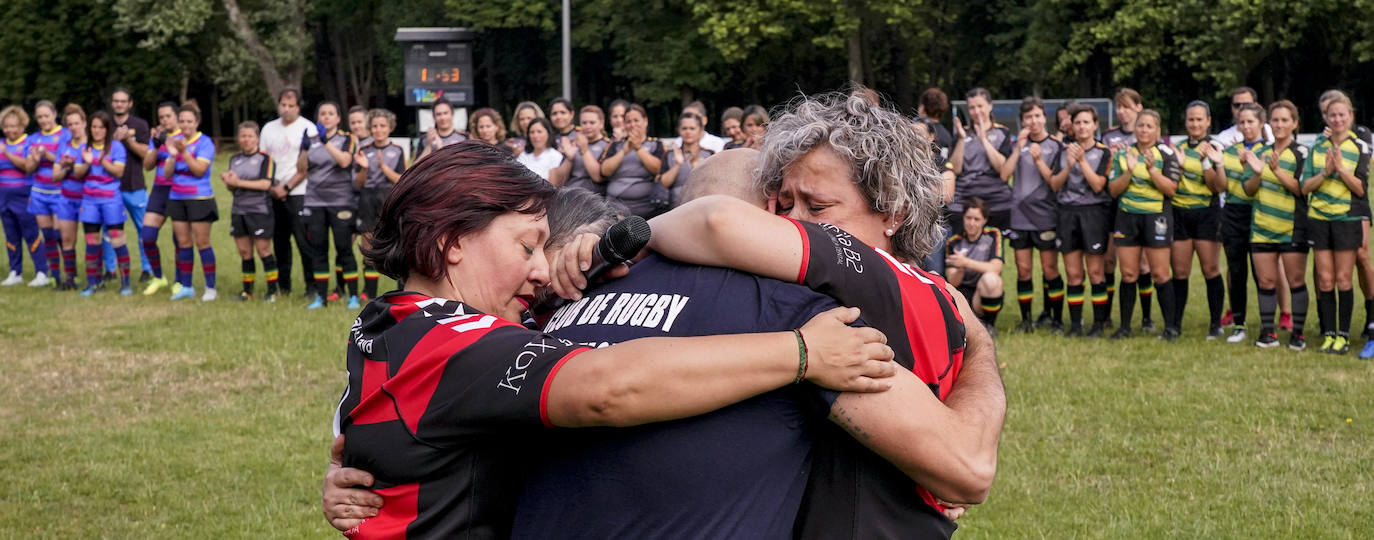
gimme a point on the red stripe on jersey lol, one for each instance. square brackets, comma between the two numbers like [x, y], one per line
[375, 406]
[806, 250]
[413, 386]
[399, 509]
[403, 305]
[548, 383]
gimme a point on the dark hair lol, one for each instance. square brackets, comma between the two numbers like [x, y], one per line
[548, 128]
[330, 103]
[357, 108]
[492, 115]
[247, 124]
[689, 115]
[167, 104]
[733, 112]
[453, 192]
[1030, 103]
[1254, 108]
[43, 103]
[1199, 103]
[289, 91]
[440, 101]
[697, 106]
[976, 203]
[1288, 105]
[639, 109]
[935, 103]
[105, 120]
[122, 90]
[618, 103]
[1078, 109]
[1127, 94]
[191, 108]
[978, 92]
[1246, 90]
[564, 102]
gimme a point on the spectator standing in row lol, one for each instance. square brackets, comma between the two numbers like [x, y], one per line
[132, 132]
[281, 139]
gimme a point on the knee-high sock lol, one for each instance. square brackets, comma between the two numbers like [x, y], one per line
[1326, 312]
[1128, 292]
[52, 242]
[1216, 295]
[1025, 293]
[1238, 267]
[1111, 283]
[1368, 311]
[148, 236]
[69, 260]
[269, 271]
[207, 265]
[370, 279]
[1146, 287]
[186, 262]
[1345, 306]
[1054, 297]
[1075, 298]
[992, 305]
[1101, 307]
[122, 260]
[1268, 302]
[351, 281]
[1166, 303]
[1180, 287]
[1299, 295]
[93, 264]
[339, 279]
[250, 273]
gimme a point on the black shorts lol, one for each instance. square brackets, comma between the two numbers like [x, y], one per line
[1144, 230]
[1084, 228]
[968, 291]
[369, 207]
[254, 225]
[157, 200]
[1334, 235]
[1235, 227]
[194, 210]
[1041, 240]
[1197, 223]
[1299, 246]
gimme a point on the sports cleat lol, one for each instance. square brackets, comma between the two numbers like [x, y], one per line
[1228, 318]
[1368, 333]
[154, 285]
[40, 280]
[1122, 333]
[1215, 332]
[364, 297]
[1368, 351]
[1044, 320]
[316, 304]
[1267, 340]
[1096, 331]
[126, 291]
[176, 288]
[1170, 334]
[1328, 341]
[269, 298]
[1297, 342]
[1056, 327]
[1024, 327]
[183, 293]
[69, 285]
[13, 279]
[1148, 325]
[144, 277]
[1075, 330]
[1341, 346]
[242, 297]
[1237, 335]
[209, 296]
[353, 303]
[1286, 321]
[89, 290]
[334, 296]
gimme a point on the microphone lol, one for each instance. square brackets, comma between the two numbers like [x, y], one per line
[621, 243]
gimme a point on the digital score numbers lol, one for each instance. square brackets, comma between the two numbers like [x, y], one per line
[438, 70]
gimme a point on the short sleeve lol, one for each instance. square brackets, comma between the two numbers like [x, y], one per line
[1057, 163]
[610, 150]
[1005, 147]
[996, 235]
[1104, 163]
[141, 133]
[117, 152]
[1117, 164]
[205, 149]
[1362, 166]
[660, 151]
[269, 169]
[1171, 168]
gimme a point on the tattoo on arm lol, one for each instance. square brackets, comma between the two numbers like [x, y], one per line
[842, 417]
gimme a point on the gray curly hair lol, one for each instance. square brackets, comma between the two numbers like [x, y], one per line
[892, 163]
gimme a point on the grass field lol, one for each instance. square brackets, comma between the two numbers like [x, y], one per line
[139, 417]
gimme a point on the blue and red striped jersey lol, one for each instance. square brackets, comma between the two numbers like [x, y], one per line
[185, 186]
[160, 179]
[72, 188]
[100, 184]
[50, 141]
[11, 176]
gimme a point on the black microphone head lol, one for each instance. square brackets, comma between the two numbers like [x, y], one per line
[624, 240]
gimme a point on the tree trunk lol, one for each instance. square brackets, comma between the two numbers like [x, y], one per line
[854, 46]
[274, 76]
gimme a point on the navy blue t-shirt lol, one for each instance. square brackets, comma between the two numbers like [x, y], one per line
[738, 472]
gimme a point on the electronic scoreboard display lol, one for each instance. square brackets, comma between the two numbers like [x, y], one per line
[435, 70]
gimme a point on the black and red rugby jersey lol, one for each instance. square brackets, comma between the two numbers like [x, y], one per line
[853, 492]
[443, 406]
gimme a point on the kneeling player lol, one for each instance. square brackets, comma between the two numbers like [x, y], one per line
[973, 259]
[250, 219]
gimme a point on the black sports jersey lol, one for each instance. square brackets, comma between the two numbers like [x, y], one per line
[453, 137]
[1076, 191]
[327, 183]
[441, 404]
[579, 177]
[986, 247]
[254, 166]
[1033, 202]
[1117, 136]
[632, 184]
[684, 174]
[853, 492]
[979, 178]
[392, 154]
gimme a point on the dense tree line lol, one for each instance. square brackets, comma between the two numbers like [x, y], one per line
[231, 54]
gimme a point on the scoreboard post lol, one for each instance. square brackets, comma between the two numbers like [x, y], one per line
[438, 65]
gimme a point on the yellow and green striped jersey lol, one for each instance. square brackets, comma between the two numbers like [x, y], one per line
[1332, 199]
[1237, 171]
[1193, 192]
[1277, 211]
[1142, 197]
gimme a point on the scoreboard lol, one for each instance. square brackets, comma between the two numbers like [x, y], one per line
[438, 65]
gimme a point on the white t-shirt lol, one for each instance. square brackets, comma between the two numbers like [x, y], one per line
[543, 163]
[1231, 135]
[283, 143]
[708, 141]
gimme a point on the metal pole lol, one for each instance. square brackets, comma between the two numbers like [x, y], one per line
[567, 50]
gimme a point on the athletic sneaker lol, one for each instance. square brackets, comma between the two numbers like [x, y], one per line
[177, 287]
[1147, 325]
[126, 291]
[1170, 334]
[353, 303]
[364, 297]
[1368, 351]
[316, 304]
[1056, 327]
[1024, 327]
[1075, 330]
[1215, 332]
[90, 290]
[40, 280]
[154, 285]
[1328, 342]
[1267, 340]
[1237, 335]
[182, 293]
[242, 297]
[1044, 320]
[334, 296]
[1341, 346]
[143, 277]
[1297, 342]
[13, 279]
[269, 298]
[1286, 321]
[1122, 333]
[209, 296]
[1096, 331]
[1228, 318]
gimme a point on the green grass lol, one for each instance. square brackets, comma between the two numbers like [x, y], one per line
[139, 417]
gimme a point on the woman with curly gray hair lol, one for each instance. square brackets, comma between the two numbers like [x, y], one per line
[862, 169]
